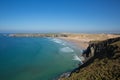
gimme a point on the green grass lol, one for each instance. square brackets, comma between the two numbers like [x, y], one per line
[105, 68]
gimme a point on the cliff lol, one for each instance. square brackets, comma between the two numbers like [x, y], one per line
[102, 62]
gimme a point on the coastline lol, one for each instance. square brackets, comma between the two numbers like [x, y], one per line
[82, 41]
[84, 44]
[79, 44]
[102, 50]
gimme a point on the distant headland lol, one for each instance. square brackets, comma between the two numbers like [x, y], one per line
[101, 55]
[80, 40]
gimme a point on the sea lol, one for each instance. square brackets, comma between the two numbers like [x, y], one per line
[30, 58]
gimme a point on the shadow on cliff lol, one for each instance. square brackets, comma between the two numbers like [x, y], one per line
[99, 50]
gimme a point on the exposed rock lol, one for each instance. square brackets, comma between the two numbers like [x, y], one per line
[105, 52]
[65, 75]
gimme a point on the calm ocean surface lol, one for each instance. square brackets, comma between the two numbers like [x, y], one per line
[35, 58]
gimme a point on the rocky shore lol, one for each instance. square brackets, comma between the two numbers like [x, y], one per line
[96, 50]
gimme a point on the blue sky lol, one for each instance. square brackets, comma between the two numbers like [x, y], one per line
[59, 16]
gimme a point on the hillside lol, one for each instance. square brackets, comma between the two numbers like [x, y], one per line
[102, 62]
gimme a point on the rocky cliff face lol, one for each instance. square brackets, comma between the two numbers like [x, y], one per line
[102, 62]
[101, 49]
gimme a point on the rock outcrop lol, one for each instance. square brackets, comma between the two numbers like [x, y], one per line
[97, 49]
[102, 62]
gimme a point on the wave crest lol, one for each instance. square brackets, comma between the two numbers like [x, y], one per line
[57, 40]
[66, 49]
[75, 57]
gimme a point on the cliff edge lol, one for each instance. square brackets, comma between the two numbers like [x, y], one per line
[102, 62]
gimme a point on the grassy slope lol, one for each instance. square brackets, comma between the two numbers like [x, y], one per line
[104, 68]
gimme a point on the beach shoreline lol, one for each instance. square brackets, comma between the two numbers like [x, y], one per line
[82, 40]
[79, 44]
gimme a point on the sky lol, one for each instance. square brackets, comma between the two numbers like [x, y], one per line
[59, 16]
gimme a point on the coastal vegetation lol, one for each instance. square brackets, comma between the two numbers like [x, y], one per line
[103, 62]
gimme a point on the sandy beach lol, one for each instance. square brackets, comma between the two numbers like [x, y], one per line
[80, 44]
[82, 40]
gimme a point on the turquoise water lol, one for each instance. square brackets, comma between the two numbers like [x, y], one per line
[35, 58]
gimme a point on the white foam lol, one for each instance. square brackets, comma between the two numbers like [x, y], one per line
[82, 58]
[66, 49]
[75, 57]
[56, 40]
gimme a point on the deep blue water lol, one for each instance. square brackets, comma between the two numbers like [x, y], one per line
[35, 58]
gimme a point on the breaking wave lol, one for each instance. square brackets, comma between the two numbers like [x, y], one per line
[75, 57]
[58, 41]
[66, 49]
